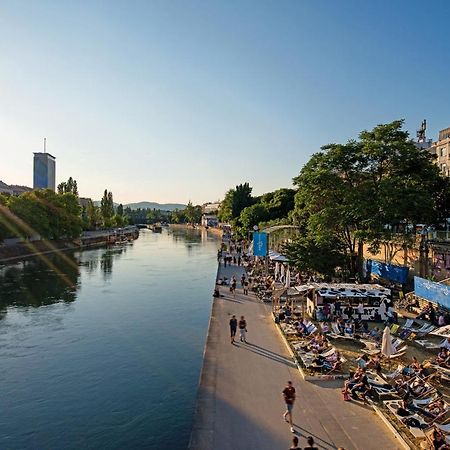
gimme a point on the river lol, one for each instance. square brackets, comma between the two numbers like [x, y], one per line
[102, 349]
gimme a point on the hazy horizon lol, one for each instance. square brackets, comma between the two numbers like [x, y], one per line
[178, 101]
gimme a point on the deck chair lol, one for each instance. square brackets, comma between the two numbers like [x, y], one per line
[397, 372]
[429, 344]
[408, 324]
[445, 428]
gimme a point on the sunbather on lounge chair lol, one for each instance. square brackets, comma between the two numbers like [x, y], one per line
[442, 356]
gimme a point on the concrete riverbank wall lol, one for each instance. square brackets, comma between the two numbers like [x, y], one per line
[27, 248]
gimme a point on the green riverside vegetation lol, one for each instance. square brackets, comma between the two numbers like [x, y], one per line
[369, 191]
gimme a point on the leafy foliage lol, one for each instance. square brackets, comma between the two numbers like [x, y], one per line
[359, 192]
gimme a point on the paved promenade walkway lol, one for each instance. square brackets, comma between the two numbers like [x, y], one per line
[240, 404]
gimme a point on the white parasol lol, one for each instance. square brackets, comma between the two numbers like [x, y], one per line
[277, 270]
[387, 349]
[288, 279]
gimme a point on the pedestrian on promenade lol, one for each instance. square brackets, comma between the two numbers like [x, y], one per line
[242, 280]
[243, 329]
[289, 399]
[245, 287]
[310, 442]
[233, 327]
[233, 286]
[295, 444]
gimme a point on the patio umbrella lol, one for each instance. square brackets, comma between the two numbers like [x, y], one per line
[288, 279]
[387, 349]
[277, 270]
[282, 272]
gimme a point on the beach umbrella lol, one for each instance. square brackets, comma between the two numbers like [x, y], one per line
[387, 349]
[277, 270]
[288, 279]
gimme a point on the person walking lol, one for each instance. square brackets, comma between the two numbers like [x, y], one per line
[233, 327]
[243, 329]
[289, 399]
[233, 286]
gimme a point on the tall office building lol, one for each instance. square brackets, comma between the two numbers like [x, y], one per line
[44, 171]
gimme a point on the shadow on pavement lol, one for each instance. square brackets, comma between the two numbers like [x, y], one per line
[318, 441]
[266, 353]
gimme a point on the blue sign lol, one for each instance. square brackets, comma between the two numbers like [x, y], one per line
[391, 272]
[434, 292]
[260, 244]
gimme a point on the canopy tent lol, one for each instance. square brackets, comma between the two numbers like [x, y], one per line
[275, 256]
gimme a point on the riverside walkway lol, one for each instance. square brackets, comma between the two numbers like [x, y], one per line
[240, 404]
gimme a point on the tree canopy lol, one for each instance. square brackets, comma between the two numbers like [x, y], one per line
[361, 191]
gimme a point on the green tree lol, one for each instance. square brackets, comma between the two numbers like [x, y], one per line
[253, 215]
[68, 186]
[119, 211]
[107, 209]
[193, 214]
[352, 191]
[235, 201]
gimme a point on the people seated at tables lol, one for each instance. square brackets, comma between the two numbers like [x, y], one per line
[325, 327]
[348, 329]
[326, 311]
[341, 325]
[428, 312]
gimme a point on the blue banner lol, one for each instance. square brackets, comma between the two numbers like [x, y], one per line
[391, 272]
[260, 246]
[434, 292]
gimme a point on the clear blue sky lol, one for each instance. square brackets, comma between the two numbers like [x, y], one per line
[175, 100]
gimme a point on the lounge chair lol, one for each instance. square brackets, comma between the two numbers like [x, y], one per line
[408, 324]
[397, 372]
[428, 344]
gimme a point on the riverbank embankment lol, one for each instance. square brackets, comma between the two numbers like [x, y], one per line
[240, 405]
[30, 248]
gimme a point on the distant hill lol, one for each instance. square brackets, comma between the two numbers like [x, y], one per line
[153, 205]
[149, 205]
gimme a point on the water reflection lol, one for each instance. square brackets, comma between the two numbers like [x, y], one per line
[56, 278]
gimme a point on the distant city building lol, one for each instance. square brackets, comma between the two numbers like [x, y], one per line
[209, 221]
[5, 189]
[44, 171]
[13, 189]
[422, 141]
[84, 201]
[441, 148]
[208, 208]
[17, 190]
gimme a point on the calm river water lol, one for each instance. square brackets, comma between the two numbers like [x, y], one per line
[102, 349]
